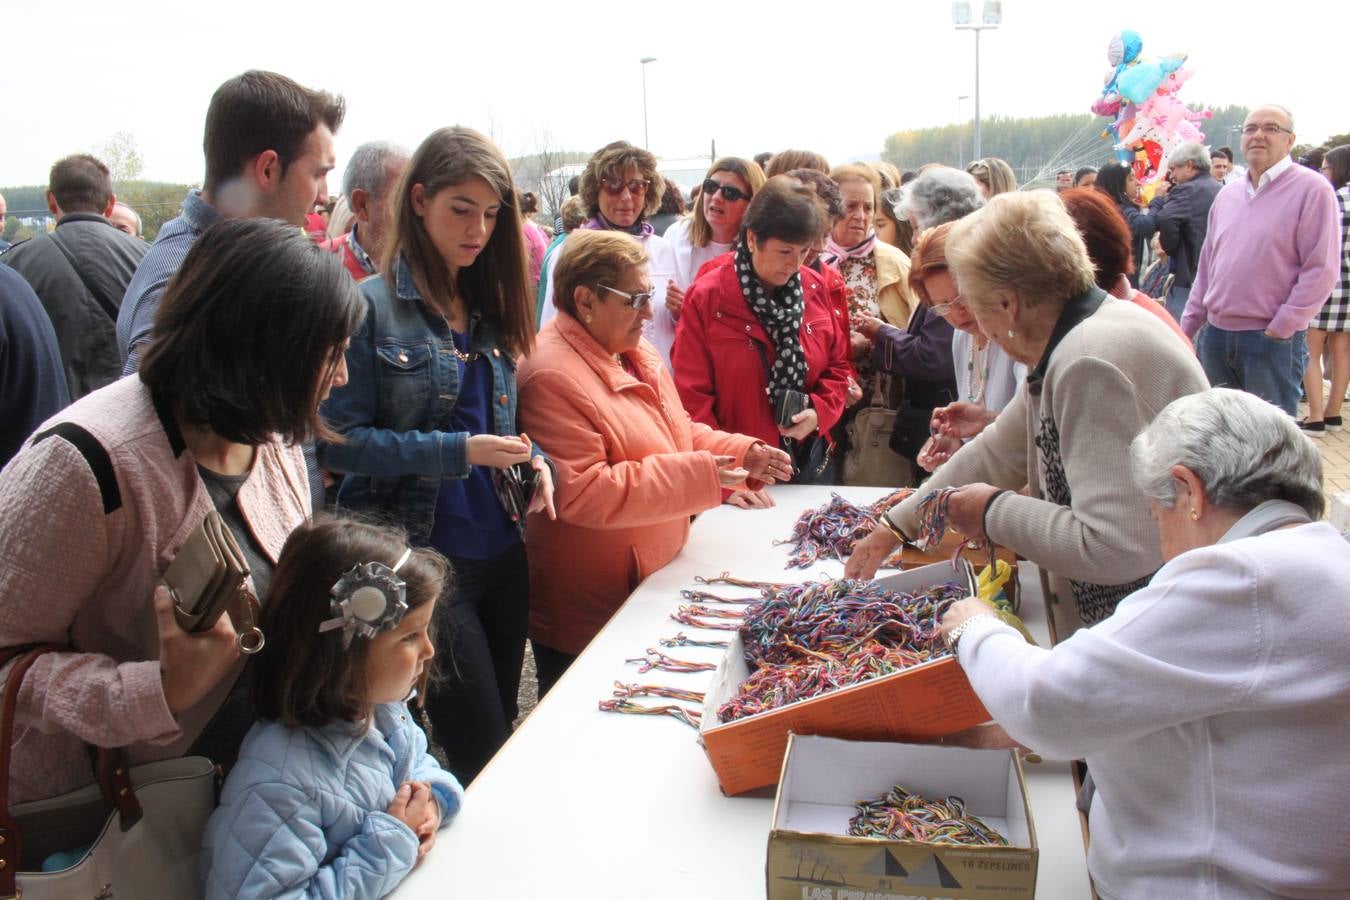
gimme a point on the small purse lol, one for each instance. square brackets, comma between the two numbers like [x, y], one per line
[788, 405]
[516, 486]
[207, 577]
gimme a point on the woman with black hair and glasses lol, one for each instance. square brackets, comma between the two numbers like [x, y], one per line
[622, 190]
[1117, 181]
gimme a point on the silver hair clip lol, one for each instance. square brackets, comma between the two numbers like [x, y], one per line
[369, 598]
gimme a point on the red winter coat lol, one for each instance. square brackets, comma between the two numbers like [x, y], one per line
[719, 371]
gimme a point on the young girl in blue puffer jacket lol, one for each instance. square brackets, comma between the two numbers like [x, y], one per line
[334, 794]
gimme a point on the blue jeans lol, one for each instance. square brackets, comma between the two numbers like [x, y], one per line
[1248, 360]
[1175, 301]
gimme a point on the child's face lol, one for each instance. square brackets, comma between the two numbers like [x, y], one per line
[397, 657]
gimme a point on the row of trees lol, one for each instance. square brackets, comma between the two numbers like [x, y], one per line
[1038, 147]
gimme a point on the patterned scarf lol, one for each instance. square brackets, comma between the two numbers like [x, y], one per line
[781, 315]
[834, 253]
[640, 229]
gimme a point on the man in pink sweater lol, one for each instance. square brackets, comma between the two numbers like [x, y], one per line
[1268, 264]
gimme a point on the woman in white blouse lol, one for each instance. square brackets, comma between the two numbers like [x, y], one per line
[1213, 706]
[712, 228]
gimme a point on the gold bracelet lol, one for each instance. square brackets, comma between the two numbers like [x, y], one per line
[895, 530]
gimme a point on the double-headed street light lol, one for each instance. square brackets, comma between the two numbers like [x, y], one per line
[992, 17]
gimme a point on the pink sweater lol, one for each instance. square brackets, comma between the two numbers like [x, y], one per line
[1270, 261]
[79, 560]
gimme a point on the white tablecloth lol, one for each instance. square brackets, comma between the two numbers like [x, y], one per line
[581, 803]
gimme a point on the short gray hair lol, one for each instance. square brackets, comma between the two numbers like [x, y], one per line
[939, 195]
[368, 169]
[1244, 451]
[1190, 152]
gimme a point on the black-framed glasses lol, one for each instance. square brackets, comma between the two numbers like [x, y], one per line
[729, 191]
[1270, 128]
[635, 186]
[640, 300]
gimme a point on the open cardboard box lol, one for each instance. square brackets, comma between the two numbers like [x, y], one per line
[811, 855]
[922, 702]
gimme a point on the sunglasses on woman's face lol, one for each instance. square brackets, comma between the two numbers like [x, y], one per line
[731, 192]
[635, 186]
[640, 300]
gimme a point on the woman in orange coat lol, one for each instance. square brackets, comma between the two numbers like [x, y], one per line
[632, 466]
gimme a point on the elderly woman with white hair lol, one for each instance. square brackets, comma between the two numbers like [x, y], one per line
[1213, 707]
[940, 194]
[1101, 368]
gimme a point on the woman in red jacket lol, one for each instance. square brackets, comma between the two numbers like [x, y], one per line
[759, 337]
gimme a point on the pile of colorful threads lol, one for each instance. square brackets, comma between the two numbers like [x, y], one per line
[830, 531]
[900, 815]
[805, 640]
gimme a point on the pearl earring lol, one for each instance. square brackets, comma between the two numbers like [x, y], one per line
[588, 318]
[1010, 333]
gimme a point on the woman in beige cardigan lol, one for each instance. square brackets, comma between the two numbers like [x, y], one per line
[1101, 369]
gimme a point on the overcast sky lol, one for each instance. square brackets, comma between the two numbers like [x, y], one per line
[837, 79]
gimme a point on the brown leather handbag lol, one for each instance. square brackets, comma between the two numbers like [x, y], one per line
[136, 832]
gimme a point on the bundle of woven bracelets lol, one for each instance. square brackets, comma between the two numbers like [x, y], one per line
[805, 640]
[831, 530]
[900, 815]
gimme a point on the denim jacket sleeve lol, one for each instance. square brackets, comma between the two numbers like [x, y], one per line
[373, 451]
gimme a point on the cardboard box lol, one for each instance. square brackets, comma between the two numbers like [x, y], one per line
[922, 702]
[811, 856]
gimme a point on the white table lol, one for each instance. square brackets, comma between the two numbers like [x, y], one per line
[581, 803]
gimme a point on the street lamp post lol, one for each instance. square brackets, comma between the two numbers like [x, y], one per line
[646, 140]
[960, 132]
[992, 17]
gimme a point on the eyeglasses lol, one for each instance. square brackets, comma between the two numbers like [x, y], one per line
[1265, 128]
[941, 309]
[635, 186]
[731, 192]
[640, 300]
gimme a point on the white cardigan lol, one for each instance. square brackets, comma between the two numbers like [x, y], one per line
[1213, 709]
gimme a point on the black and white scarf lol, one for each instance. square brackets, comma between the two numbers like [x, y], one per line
[781, 315]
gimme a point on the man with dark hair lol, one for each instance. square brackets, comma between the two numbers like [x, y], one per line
[1063, 180]
[1223, 169]
[368, 185]
[269, 149]
[80, 271]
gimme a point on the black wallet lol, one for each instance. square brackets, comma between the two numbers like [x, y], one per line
[516, 486]
[790, 403]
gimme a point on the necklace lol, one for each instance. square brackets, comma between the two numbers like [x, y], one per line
[465, 358]
[978, 364]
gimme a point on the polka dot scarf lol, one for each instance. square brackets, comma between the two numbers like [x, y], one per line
[781, 315]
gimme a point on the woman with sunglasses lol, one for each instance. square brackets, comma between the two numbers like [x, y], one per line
[760, 350]
[622, 190]
[632, 465]
[711, 230]
[429, 417]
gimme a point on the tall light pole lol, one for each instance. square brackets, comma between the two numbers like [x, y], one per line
[992, 17]
[960, 132]
[646, 140]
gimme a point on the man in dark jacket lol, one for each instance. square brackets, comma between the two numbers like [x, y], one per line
[1183, 218]
[81, 270]
[32, 385]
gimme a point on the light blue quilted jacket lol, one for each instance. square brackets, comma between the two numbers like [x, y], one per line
[302, 812]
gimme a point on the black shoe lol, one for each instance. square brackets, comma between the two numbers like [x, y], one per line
[1333, 423]
[1313, 429]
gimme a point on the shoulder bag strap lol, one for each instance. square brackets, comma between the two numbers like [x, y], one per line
[104, 302]
[110, 770]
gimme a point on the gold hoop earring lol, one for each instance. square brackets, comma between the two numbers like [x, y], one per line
[1195, 516]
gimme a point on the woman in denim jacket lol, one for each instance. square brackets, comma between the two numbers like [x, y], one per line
[430, 410]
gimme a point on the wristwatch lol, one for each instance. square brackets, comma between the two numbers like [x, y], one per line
[954, 636]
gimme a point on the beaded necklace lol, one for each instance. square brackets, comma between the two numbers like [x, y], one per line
[978, 363]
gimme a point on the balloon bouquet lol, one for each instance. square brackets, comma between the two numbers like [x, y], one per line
[1150, 119]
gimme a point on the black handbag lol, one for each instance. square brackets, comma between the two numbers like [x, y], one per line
[812, 457]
